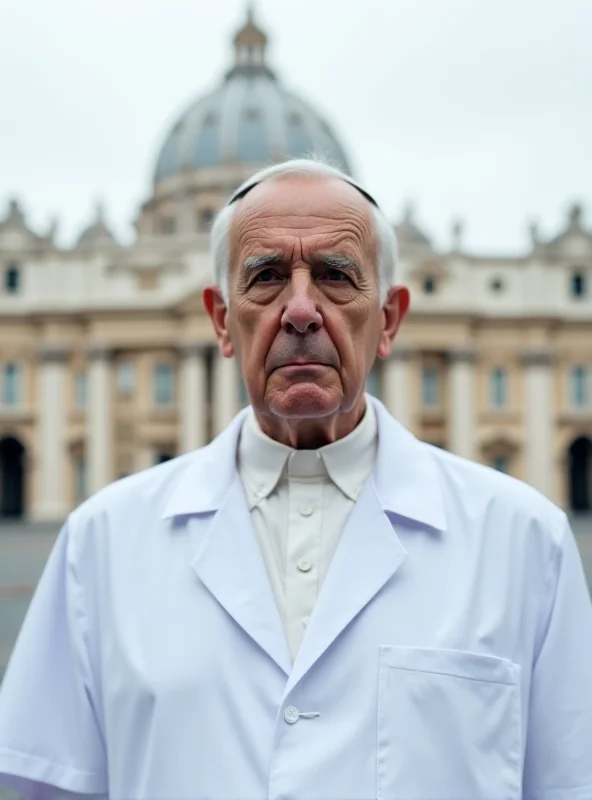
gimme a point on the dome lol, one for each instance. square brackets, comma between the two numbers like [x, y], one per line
[250, 119]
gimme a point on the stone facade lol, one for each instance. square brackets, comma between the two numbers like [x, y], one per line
[108, 363]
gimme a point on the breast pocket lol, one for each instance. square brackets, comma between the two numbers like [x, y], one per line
[448, 726]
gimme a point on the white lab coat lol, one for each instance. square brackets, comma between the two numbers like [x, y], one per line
[449, 654]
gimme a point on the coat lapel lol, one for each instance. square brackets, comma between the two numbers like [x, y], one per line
[368, 555]
[405, 486]
[229, 562]
[231, 566]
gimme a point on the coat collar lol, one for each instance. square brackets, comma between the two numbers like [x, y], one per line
[347, 462]
[406, 476]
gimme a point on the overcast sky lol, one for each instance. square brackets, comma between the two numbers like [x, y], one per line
[475, 109]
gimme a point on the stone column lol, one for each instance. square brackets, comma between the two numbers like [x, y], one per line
[462, 406]
[397, 378]
[539, 419]
[143, 457]
[194, 397]
[99, 419]
[225, 395]
[52, 504]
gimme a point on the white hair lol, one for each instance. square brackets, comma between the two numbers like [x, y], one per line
[220, 235]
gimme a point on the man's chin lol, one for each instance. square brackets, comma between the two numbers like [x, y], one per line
[304, 400]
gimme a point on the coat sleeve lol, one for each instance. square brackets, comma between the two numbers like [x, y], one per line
[51, 745]
[558, 761]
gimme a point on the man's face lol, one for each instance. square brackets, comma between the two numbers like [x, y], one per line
[304, 316]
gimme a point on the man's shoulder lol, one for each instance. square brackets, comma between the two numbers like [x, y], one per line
[140, 496]
[488, 494]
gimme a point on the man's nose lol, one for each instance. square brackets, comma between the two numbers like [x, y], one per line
[301, 313]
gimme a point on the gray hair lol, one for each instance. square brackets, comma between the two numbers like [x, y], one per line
[383, 230]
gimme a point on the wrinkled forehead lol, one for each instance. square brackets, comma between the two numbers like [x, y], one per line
[320, 213]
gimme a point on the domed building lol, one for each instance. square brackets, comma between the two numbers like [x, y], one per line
[250, 120]
[108, 363]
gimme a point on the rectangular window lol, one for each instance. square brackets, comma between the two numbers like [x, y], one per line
[430, 386]
[578, 284]
[80, 489]
[11, 384]
[499, 387]
[579, 387]
[12, 279]
[168, 226]
[501, 464]
[206, 218]
[81, 389]
[126, 378]
[164, 393]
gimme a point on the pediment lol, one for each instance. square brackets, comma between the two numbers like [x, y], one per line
[500, 442]
[574, 242]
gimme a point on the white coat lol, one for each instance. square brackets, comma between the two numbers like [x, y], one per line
[449, 654]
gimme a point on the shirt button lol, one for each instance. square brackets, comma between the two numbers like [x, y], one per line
[304, 565]
[306, 511]
[291, 715]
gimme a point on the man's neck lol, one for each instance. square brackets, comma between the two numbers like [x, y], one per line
[311, 433]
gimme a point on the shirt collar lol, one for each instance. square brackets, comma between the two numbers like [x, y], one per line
[407, 475]
[348, 462]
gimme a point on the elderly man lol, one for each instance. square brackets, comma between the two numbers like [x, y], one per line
[316, 606]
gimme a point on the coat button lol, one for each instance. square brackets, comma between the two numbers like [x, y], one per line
[304, 565]
[291, 715]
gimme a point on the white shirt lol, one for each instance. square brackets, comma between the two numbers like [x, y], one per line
[299, 502]
[448, 653]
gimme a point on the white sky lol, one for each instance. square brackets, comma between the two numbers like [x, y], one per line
[477, 109]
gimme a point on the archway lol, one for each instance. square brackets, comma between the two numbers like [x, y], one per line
[580, 474]
[12, 474]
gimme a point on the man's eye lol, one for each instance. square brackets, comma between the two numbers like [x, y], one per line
[265, 276]
[334, 275]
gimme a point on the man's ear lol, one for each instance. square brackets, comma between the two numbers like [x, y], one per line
[394, 309]
[217, 311]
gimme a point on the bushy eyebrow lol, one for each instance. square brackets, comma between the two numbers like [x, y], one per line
[331, 260]
[337, 261]
[253, 263]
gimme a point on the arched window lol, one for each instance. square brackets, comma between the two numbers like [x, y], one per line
[164, 384]
[499, 387]
[430, 386]
[579, 386]
[11, 384]
[373, 381]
